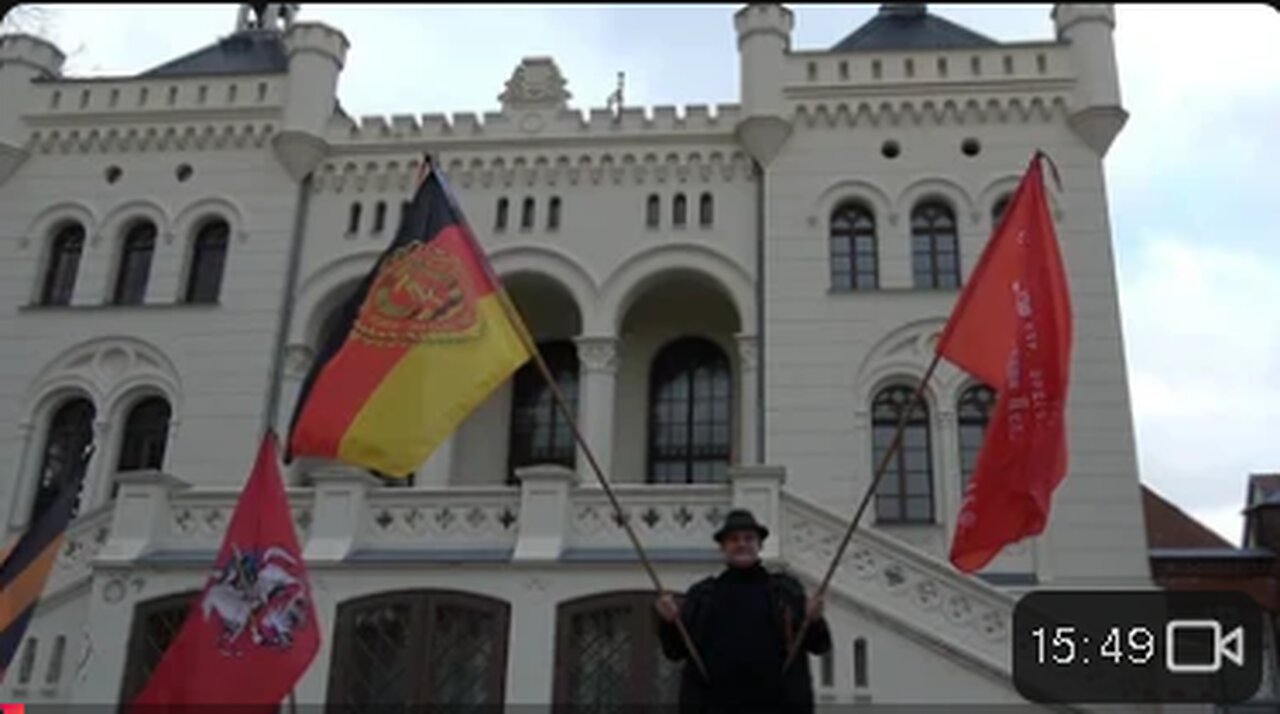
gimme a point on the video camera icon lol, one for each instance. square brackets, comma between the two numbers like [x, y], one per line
[1229, 647]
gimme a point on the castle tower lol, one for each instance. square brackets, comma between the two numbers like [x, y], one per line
[764, 39]
[316, 54]
[23, 58]
[1097, 115]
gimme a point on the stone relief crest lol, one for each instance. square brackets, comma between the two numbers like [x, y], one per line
[535, 84]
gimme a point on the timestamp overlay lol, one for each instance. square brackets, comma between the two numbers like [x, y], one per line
[1114, 646]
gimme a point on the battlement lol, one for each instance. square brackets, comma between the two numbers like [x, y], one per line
[763, 18]
[809, 73]
[317, 38]
[32, 52]
[71, 100]
[631, 123]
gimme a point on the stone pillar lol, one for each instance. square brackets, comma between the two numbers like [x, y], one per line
[100, 471]
[438, 469]
[544, 511]
[759, 490]
[339, 506]
[597, 394]
[21, 487]
[947, 486]
[748, 400]
[141, 515]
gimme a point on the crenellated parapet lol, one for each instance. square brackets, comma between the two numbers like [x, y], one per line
[839, 113]
[151, 138]
[595, 168]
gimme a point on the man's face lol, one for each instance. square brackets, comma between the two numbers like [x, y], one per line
[741, 548]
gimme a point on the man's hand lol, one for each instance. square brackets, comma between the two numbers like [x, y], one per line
[667, 607]
[814, 609]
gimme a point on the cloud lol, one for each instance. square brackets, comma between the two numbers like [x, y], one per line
[1203, 346]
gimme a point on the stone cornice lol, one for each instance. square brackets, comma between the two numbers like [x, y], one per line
[543, 169]
[142, 139]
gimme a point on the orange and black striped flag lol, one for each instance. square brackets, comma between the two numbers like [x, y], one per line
[425, 339]
[24, 568]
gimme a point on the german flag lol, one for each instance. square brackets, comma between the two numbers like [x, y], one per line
[25, 566]
[424, 340]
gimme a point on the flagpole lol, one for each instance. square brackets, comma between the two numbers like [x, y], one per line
[513, 316]
[881, 467]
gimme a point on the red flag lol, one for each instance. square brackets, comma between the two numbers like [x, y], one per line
[1011, 328]
[252, 632]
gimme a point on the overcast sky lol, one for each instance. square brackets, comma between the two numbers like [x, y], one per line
[1188, 178]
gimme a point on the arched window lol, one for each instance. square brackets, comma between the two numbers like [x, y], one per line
[553, 214]
[526, 214]
[419, 647]
[353, 219]
[679, 210]
[379, 216]
[608, 654]
[135, 264]
[998, 208]
[935, 253]
[706, 210]
[208, 260]
[64, 262]
[854, 254]
[973, 411]
[155, 623]
[652, 211]
[905, 494]
[690, 408]
[70, 433]
[539, 432]
[146, 433]
[500, 217]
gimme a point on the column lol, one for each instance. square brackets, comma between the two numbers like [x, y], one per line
[597, 392]
[759, 490]
[22, 485]
[748, 399]
[947, 470]
[544, 511]
[101, 467]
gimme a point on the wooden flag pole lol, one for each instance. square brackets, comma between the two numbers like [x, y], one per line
[513, 315]
[881, 467]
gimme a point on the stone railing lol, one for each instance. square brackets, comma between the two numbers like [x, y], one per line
[346, 515]
[85, 537]
[902, 584]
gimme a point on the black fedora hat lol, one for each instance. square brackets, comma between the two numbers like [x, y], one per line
[740, 519]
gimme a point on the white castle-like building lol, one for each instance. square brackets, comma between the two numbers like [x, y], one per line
[737, 298]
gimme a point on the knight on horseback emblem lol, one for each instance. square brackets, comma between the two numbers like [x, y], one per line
[259, 593]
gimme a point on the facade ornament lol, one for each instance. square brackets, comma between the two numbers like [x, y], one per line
[535, 84]
[598, 354]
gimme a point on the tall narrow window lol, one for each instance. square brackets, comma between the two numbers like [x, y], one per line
[500, 216]
[690, 402]
[64, 262]
[998, 208]
[652, 211]
[398, 650]
[973, 411]
[905, 495]
[859, 663]
[135, 264]
[679, 211]
[65, 445]
[208, 260]
[526, 214]
[379, 216]
[553, 214]
[539, 432]
[935, 253]
[854, 259]
[53, 671]
[353, 219]
[706, 210]
[27, 664]
[146, 433]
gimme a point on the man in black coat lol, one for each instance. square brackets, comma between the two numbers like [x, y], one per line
[742, 622]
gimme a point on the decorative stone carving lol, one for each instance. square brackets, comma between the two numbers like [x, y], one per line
[297, 360]
[748, 351]
[598, 354]
[535, 84]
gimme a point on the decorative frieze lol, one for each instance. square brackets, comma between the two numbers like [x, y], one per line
[831, 113]
[144, 139]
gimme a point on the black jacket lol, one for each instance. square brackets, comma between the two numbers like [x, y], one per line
[782, 598]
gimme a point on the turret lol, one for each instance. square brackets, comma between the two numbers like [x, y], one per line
[1096, 113]
[22, 59]
[764, 39]
[316, 54]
